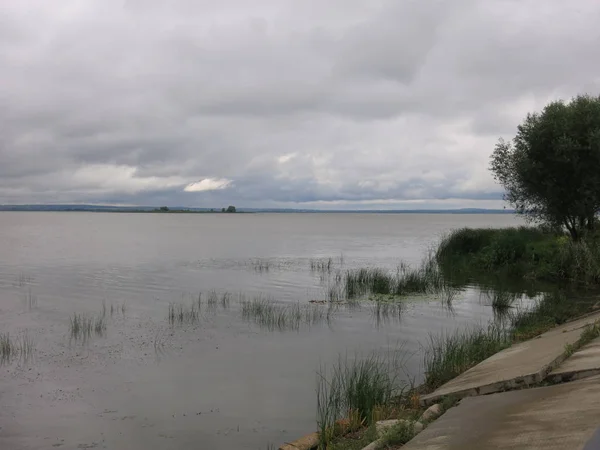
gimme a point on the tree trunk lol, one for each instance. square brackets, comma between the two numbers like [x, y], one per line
[591, 224]
[571, 226]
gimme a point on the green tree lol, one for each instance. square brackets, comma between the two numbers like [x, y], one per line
[164, 208]
[230, 209]
[551, 169]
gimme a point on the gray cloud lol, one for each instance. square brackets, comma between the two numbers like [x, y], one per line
[276, 103]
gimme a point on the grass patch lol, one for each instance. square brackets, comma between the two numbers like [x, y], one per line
[100, 325]
[355, 390]
[533, 253]
[270, 315]
[354, 441]
[7, 347]
[450, 355]
[31, 300]
[502, 300]
[550, 310]
[261, 265]
[180, 314]
[424, 279]
[383, 311]
[325, 265]
[23, 347]
[398, 435]
[80, 326]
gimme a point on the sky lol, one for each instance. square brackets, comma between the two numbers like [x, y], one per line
[328, 104]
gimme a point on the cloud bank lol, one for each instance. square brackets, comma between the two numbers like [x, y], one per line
[344, 103]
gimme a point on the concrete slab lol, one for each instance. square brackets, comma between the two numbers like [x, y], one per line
[582, 364]
[563, 416]
[522, 364]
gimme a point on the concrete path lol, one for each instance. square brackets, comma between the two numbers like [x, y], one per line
[583, 363]
[520, 365]
[560, 417]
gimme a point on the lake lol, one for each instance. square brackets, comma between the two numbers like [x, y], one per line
[222, 381]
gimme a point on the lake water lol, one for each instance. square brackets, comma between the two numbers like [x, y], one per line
[220, 383]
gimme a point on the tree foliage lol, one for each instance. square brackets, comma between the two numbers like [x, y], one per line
[551, 169]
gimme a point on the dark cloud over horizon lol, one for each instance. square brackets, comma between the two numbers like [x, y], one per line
[278, 102]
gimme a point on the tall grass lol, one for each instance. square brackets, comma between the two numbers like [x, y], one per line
[525, 252]
[7, 348]
[31, 300]
[26, 346]
[80, 326]
[424, 279]
[268, 314]
[553, 308]
[500, 299]
[23, 347]
[322, 265]
[261, 265]
[355, 388]
[181, 314]
[384, 311]
[449, 355]
[100, 325]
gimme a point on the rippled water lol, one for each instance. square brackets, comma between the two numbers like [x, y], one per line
[221, 383]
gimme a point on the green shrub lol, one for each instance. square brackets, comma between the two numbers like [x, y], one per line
[524, 252]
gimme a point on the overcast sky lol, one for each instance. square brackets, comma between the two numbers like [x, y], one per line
[291, 103]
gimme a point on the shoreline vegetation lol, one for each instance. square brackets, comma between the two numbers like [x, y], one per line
[501, 261]
[346, 419]
[526, 253]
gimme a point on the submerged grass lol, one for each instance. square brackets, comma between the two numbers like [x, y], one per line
[322, 265]
[550, 310]
[180, 314]
[501, 300]
[31, 300]
[23, 347]
[354, 390]
[424, 279]
[384, 311]
[261, 265]
[81, 326]
[449, 355]
[268, 314]
[7, 347]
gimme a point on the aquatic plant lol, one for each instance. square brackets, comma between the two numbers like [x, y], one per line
[261, 265]
[181, 314]
[356, 388]
[80, 326]
[22, 348]
[449, 355]
[321, 265]
[551, 309]
[406, 280]
[268, 314]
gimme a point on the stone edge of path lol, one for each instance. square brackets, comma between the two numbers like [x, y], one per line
[505, 385]
[307, 442]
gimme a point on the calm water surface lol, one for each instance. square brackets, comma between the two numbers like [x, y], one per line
[222, 383]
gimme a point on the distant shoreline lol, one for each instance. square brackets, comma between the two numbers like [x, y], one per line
[181, 210]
